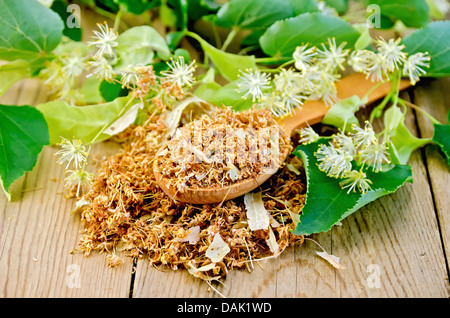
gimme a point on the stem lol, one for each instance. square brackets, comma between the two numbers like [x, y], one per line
[117, 19]
[108, 124]
[286, 64]
[415, 107]
[230, 38]
[395, 89]
[271, 59]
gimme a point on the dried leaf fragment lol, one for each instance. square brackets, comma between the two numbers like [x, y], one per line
[218, 249]
[332, 259]
[272, 242]
[257, 215]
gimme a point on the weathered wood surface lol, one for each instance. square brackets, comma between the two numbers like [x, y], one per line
[397, 246]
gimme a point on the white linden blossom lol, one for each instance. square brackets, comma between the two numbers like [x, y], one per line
[334, 162]
[180, 73]
[308, 135]
[375, 155]
[392, 53]
[73, 66]
[364, 138]
[105, 40]
[71, 151]
[304, 57]
[292, 98]
[345, 143]
[79, 178]
[377, 71]
[334, 56]
[102, 69]
[362, 60]
[253, 83]
[274, 102]
[287, 79]
[356, 180]
[130, 75]
[413, 67]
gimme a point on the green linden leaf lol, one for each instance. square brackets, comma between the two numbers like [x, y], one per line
[327, 204]
[342, 114]
[29, 29]
[227, 64]
[138, 44]
[82, 122]
[442, 138]
[23, 134]
[282, 37]
[433, 39]
[413, 13]
[223, 95]
[252, 14]
[403, 141]
[13, 72]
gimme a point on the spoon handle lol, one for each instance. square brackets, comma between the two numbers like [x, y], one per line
[312, 112]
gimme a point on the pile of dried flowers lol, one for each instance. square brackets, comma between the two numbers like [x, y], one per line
[223, 147]
[126, 210]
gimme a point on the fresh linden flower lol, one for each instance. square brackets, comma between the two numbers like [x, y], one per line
[362, 60]
[72, 151]
[79, 178]
[292, 98]
[130, 75]
[322, 84]
[180, 73]
[308, 135]
[274, 102]
[334, 56]
[253, 83]
[287, 79]
[73, 66]
[413, 67]
[345, 143]
[334, 162]
[102, 69]
[377, 71]
[105, 40]
[375, 155]
[356, 180]
[392, 53]
[364, 138]
[304, 57]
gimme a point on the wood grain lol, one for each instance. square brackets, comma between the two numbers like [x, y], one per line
[434, 96]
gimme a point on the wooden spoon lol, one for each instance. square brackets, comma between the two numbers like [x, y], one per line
[311, 113]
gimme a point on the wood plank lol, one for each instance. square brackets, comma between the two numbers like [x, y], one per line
[38, 232]
[297, 272]
[433, 96]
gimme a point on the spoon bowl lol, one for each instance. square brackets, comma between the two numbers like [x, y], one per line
[312, 112]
